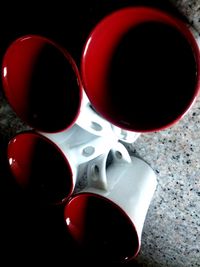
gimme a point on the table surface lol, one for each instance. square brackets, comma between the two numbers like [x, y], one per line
[171, 234]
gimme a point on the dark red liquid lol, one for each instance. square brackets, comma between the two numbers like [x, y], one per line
[152, 77]
[54, 94]
[101, 229]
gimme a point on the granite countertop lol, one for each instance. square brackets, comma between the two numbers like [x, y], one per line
[171, 233]
[191, 9]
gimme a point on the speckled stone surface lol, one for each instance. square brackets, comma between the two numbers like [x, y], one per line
[191, 9]
[171, 234]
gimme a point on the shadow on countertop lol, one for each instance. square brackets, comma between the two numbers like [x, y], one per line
[69, 24]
